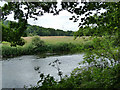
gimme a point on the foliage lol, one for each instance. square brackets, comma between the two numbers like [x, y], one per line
[46, 81]
[33, 30]
[96, 77]
[103, 60]
[56, 64]
[84, 77]
[12, 34]
[38, 45]
[39, 48]
[41, 31]
[89, 31]
[22, 17]
[106, 49]
[103, 21]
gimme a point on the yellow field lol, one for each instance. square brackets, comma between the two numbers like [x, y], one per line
[60, 39]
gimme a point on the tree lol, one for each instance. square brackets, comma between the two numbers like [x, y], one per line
[39, 8]
[32, 9]
[106, 50]
[108, 20]
[105, 24]
[12, 34]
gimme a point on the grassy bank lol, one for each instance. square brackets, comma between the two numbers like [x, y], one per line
[61, 39]
[52, 44]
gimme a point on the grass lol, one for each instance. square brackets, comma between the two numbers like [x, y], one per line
[61, 39]
[51, 44]
[5, 43]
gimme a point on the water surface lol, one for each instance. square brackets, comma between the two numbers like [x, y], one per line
[20, 71]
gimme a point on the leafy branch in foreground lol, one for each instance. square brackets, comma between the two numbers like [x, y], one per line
[47, 81]
[56, 64]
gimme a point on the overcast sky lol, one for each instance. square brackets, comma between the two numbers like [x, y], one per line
[60, 21]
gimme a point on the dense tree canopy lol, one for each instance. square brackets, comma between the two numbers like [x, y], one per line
[32, 9]
[41, 31]
[32, 30]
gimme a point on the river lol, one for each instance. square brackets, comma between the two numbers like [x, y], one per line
[20, 71]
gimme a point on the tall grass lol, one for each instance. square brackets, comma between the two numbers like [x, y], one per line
[36, 45]
[8, 51]
[61, 39]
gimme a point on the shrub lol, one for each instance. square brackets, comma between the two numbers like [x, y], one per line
[88, 45]
[38, 44]
[21, 42]
[27, 49]
[92, 77]
[8, 51]
[61, 47]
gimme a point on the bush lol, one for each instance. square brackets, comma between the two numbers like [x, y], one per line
[88, 45]
[61, 47]
[38, 44]
[92, 77]
[27, 49]
[21, 42]
[8, 51]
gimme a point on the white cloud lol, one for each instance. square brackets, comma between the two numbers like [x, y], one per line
[60, 21]
[2, 3]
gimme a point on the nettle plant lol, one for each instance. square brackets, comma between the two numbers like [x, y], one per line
[47, 80]
[56, 64]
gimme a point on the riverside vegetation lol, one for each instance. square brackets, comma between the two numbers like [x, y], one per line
[35, 45]
[97, 73]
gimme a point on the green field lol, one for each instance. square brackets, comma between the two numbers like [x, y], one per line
[57, 40]
[61, 39]
[53, 44]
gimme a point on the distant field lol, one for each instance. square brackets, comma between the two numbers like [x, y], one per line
[60, 39]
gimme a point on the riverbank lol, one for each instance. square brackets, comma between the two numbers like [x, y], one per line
[52, 44]
[96, 76]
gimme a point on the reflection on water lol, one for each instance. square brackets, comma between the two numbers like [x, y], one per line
[25, 70]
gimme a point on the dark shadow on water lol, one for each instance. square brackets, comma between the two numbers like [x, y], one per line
[44, 55]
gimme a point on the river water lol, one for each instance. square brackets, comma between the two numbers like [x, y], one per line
[20, 71]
